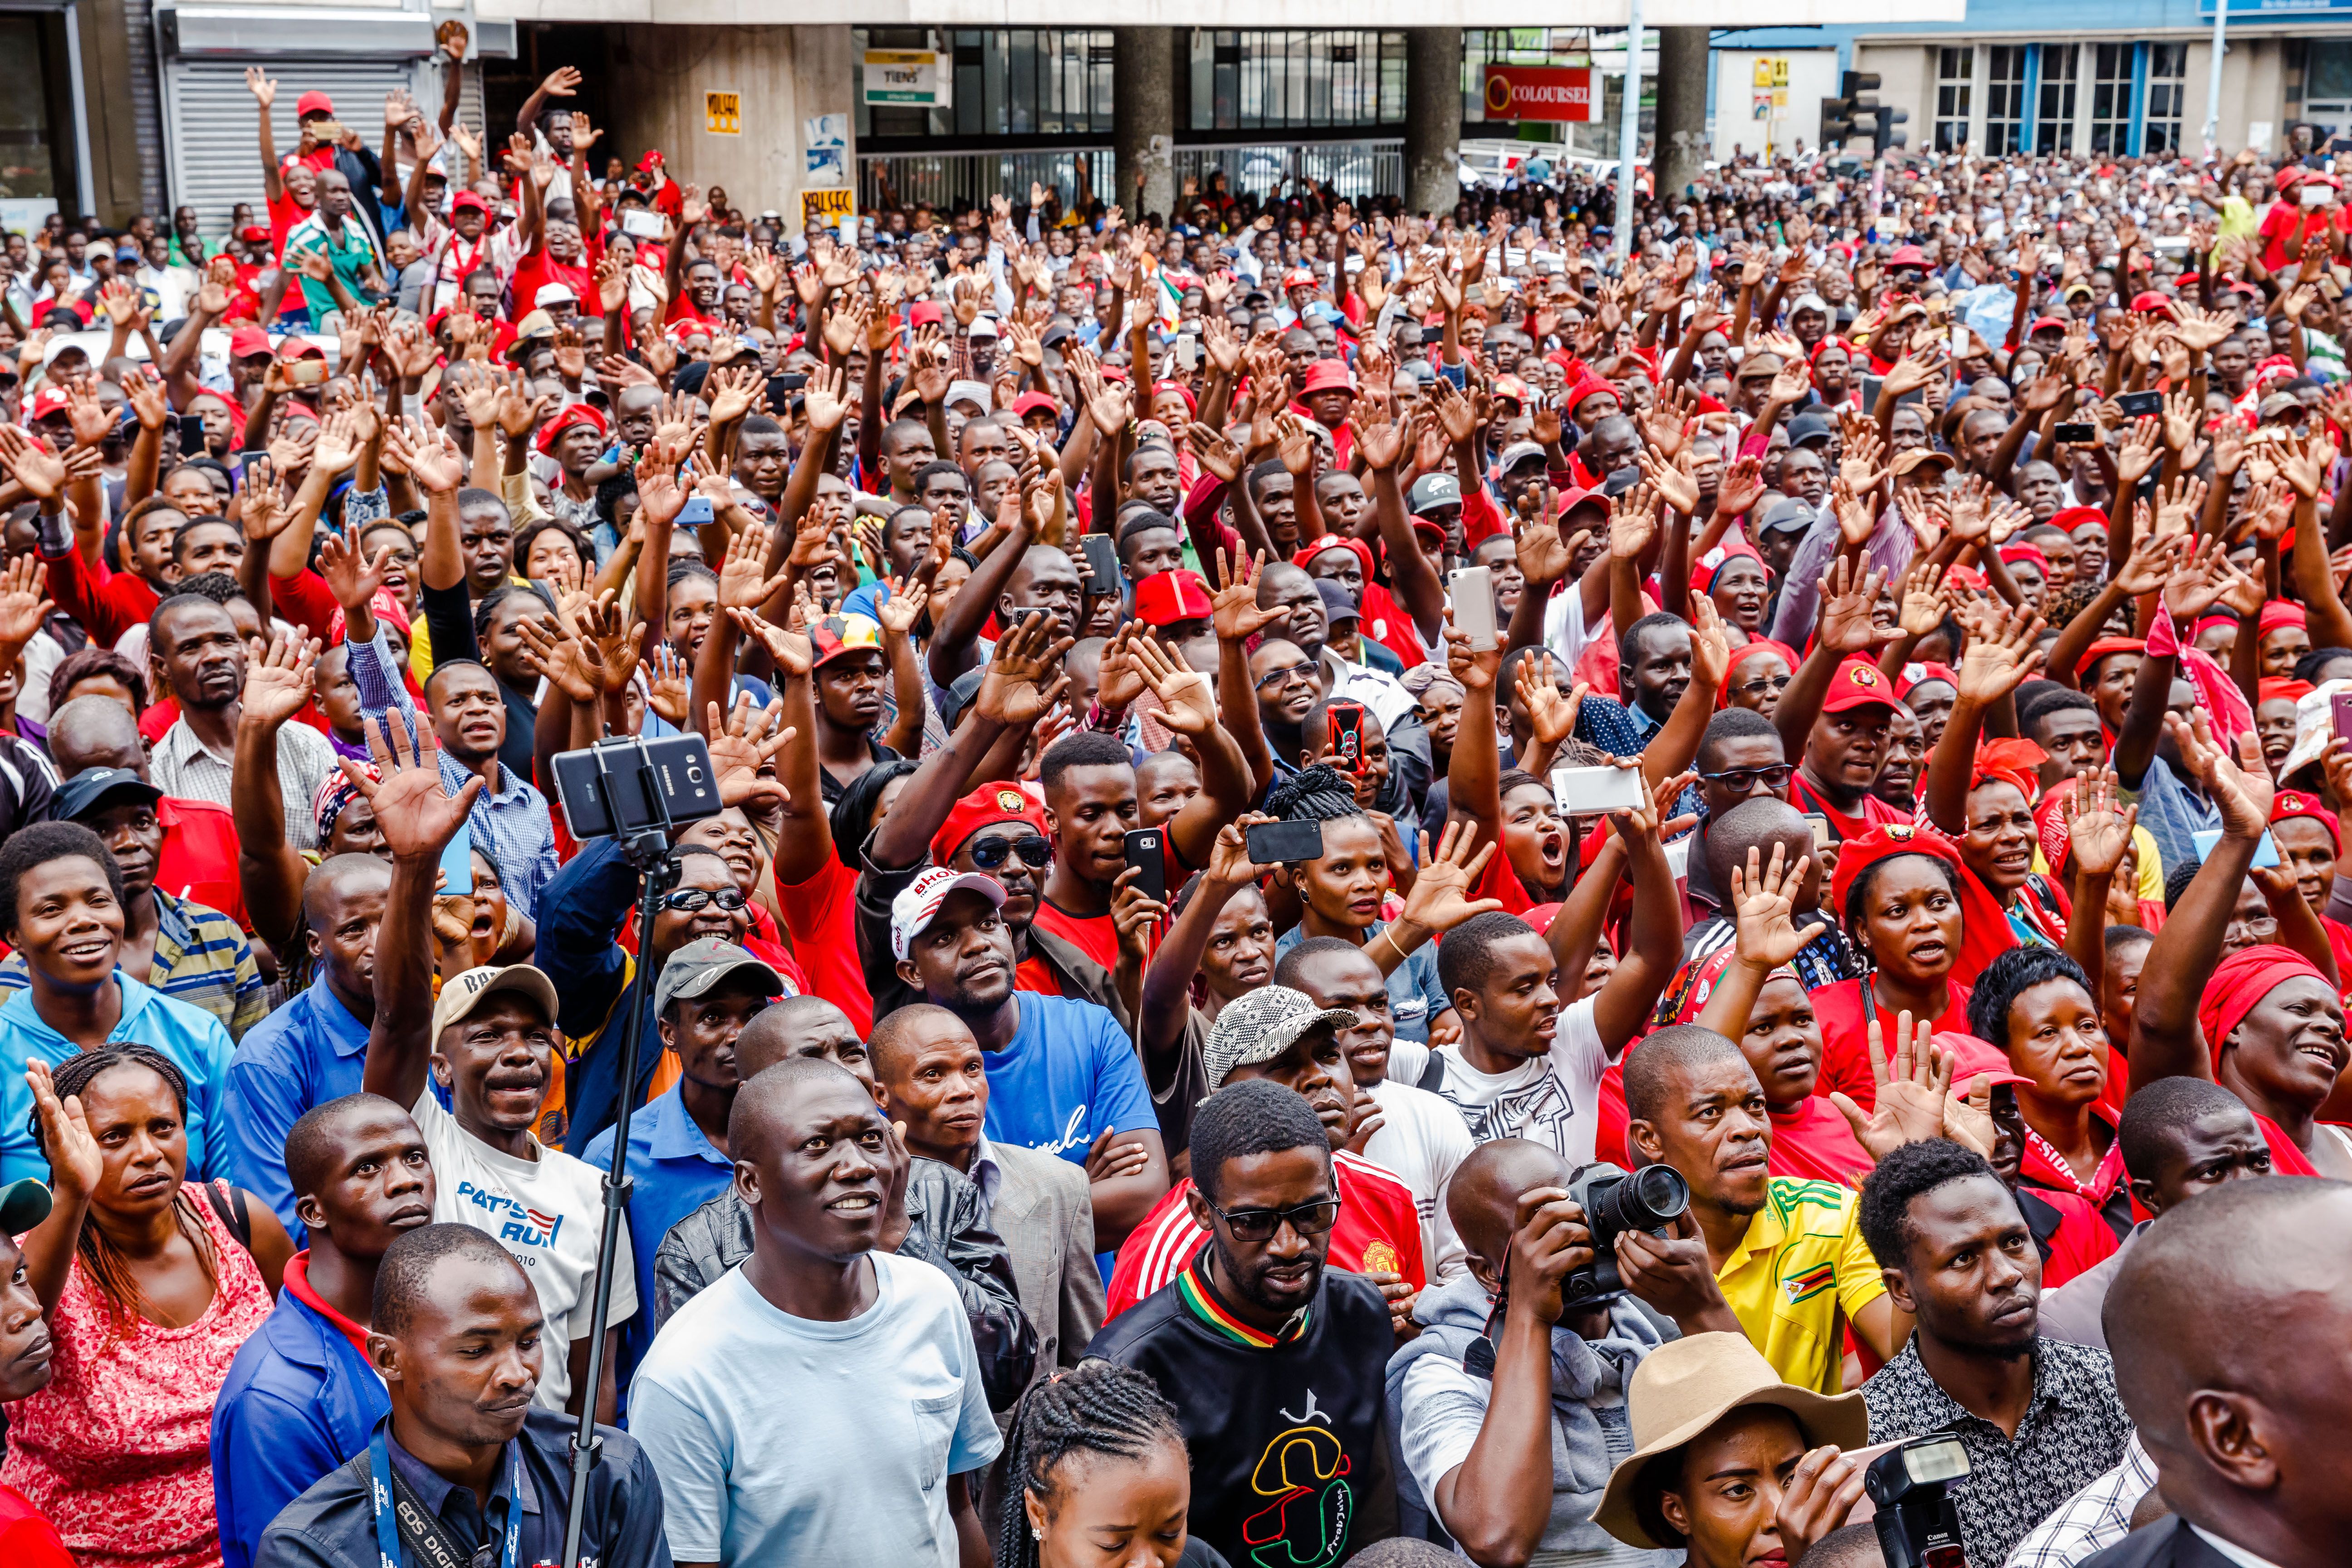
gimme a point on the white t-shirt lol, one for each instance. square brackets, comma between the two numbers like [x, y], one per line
[1424, 1139]
[1553, 1099]
[548, 1211]
[783, 1439]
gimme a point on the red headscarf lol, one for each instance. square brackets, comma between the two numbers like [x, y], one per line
[2279, 686]
[2103, 646]
[1985, 931]
[2013, 762]
[2239, 982]
[1758, 645]
[2277, 613]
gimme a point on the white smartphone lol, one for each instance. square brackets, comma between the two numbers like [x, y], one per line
[638, 223]
[2314, 194]
[1590, 792]
[1473, 605]
[1960, 342]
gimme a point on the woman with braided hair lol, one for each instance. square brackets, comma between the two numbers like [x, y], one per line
[149, 1288]
[1102, 1476]
[1340, 893]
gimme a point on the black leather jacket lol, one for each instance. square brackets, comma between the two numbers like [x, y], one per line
[947, 1232]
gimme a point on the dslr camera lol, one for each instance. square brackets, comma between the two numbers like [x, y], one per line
[1615, 1200]
[1917, 1522]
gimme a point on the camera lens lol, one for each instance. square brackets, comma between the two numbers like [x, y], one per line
[693, 774]
[1647, 1200]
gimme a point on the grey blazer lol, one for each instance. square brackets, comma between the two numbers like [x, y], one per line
[1046, 1217]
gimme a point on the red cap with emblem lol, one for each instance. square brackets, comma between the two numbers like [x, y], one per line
[1858, 683]
[984, 807]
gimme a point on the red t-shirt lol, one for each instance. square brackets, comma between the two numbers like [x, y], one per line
[1378, 1232]
[199, 859]
[822, 915]
[106, 602]
[1031, 975]
[538, 269]
[28, 1540]
[2287, 226]
[1816, 1143]
[1845, 1039]
[284, 214]
[2082, 1240]
[1875, 813]
[1386, 621]
[1092, 935]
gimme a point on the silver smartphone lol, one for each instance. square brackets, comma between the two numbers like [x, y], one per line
[1473, 605]
[1592, 792]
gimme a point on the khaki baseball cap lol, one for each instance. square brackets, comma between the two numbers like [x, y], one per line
[461, 993]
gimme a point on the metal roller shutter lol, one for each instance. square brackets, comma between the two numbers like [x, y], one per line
[214, 159]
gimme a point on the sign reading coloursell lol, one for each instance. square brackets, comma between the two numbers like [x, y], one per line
[1542, 92]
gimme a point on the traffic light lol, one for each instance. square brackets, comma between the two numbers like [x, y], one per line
[1837, 121]
[1883, 134]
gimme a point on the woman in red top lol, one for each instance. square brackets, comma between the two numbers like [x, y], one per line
[2308, 836]
[1921, 921]
[2037, 1006]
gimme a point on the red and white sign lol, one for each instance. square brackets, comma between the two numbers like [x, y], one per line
[1542, 92]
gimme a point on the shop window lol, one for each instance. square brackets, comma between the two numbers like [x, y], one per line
[1955, 72]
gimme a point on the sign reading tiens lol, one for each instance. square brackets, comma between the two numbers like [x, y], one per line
[909, 77]
[1542, 92]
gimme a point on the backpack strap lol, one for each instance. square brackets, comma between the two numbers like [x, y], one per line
[229, 1204]
[1432, 1072]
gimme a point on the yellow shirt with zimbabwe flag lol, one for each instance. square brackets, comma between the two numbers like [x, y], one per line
[1801, 1272]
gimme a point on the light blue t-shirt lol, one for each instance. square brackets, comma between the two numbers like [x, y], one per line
[783, 1439]
[192, 1037]
[1414, 995]
[1070, 1076]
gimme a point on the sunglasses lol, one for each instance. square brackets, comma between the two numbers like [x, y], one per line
[693, 899]
[991, 853]
[1739, 781]
[1260, 1225]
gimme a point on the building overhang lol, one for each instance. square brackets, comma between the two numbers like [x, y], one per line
[1236, 14]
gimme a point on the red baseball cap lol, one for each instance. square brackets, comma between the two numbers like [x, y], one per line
[246, 341]
[291, 347]
[1328, 375]
[1971, 1057]
[1298, 277]
[651, 161]
[464, 199]
[1858, 684]
[2056, 323]
[984, 808]
[925, 311]
[1512, 388]
[47, 401]
[1907, 256]
[2153, 302]
[1165, 598]
[1029, 403]
[313, 102]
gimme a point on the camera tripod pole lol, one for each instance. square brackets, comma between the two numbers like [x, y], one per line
[648, 851]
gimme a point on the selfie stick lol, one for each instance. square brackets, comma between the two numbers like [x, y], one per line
[647, 849]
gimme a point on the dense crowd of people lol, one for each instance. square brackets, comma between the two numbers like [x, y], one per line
[1361, 886]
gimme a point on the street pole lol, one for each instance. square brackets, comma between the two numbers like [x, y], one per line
[2213, 87]
[1629, 129]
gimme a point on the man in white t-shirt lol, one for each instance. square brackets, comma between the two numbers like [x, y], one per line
[821, 1405]
[543, 1205]
[1527, 1067]
[1420, 1137]
[490, 1047]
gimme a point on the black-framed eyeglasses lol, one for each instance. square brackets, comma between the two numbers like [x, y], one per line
[1739, 781]
[693, 899]
[991, 853]
[1260, 1225]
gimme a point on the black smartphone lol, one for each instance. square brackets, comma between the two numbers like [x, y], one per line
[1346, 721]
[2078, 433]
[191, 434]
[255, 462]
[603, 786]
[2140, 405]
[1283, 843]
[1147, 852]
[1102, 564]
[781, 389]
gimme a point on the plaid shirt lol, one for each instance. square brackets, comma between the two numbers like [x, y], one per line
[185, 766]
[2092, 1520]
[2074, 1432]
[200, 958]
[510, 823]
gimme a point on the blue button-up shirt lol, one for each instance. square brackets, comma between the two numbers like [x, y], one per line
[510, 822]
[299, 1400]
[192, 1037]
[674, 1170]
[307, 1053]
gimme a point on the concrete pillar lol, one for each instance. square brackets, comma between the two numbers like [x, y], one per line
[1681, 145]
[782, 77]
[1433, 119]
[1143, 120]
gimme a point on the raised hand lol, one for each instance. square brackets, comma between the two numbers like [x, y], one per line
[23, 610]
[2240, 785]
[1911, 1090]
[737, 754]
[1017, 688]
[76, 1164]
[1440, 898]
[1238, 617]
[277, 678]
[1553, 715]
[1763, 901]
[2097, 828]
[1847, 605]
[352, 574]
[1188, 698]
[416, 815]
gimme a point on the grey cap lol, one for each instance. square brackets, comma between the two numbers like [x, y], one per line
[1515, 454]
[1431, 491]
[1260, 1027]
[698, 966]
[1338, 605]
[1789, 512]
[1811, 302]
[1807, 428]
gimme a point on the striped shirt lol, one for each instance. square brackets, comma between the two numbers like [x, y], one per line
[201, 959]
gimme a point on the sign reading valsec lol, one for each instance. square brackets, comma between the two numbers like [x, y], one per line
[1542, 92]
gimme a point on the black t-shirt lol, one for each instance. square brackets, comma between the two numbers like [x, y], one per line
[1289, 1442]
